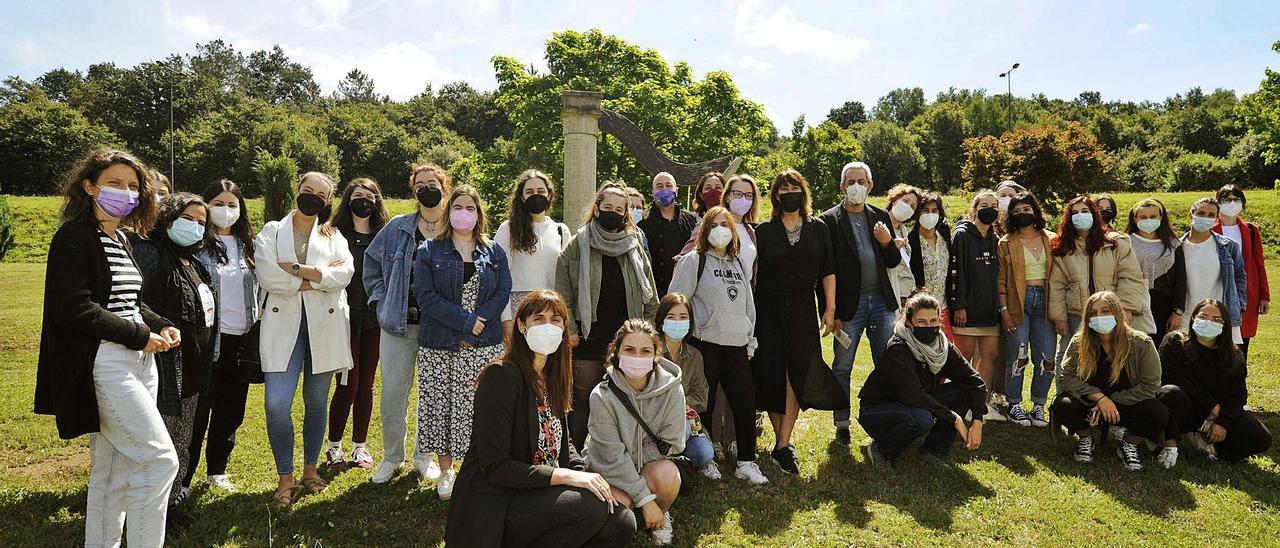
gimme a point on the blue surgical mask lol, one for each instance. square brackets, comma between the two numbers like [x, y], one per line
[185, 232]
[1149, 225]
[676, 329]
[1103, 324]
[1206, 329]
[1082, 220]
[1203, 224]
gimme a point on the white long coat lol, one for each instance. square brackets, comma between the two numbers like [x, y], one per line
[328, 317]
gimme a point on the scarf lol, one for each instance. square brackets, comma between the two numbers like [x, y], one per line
[932, 356]
[611, 244]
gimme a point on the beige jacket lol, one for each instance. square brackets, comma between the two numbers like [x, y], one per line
[1115, 268]
[1011, 282]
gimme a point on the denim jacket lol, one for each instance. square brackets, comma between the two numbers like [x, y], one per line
[250, 289]
[387, 263]
[437, 283]
[1233, 275]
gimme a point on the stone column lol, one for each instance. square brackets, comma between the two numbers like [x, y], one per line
[581, 119]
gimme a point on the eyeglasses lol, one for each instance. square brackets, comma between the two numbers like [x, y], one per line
[740, 194]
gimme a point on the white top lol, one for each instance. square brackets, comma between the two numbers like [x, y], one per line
[746, 251]
[1204, 279]
[537, 270]
[126, 282]
[234, 319]
[900, 277]
[1233, 232]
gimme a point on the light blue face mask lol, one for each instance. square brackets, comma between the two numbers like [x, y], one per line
[1104, 325]
[1149, 225]
[1203, 224]
[676, 329]
[1206, 329]
[1082, 221]
[185, 232]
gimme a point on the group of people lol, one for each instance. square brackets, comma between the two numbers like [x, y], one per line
[585, 378]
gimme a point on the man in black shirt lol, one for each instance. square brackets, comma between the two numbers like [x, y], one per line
[667, 227]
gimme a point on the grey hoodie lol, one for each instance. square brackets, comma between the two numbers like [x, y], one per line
[618, 447]
[724, 310]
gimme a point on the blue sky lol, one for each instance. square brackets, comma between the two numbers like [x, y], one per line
[794, 57]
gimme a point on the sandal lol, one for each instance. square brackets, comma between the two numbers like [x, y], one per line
[284, 498]
[314, 485]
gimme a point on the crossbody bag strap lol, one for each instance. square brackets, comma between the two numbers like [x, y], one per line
[663, 447]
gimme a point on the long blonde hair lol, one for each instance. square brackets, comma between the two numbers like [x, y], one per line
[1090, 342]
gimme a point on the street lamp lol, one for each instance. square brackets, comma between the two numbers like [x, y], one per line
[1008, 76]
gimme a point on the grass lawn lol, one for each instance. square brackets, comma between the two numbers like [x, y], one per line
[1018, 488]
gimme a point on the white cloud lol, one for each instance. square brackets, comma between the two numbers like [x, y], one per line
[326, 14]
[751, 63]
[398, 69]
[27, 52]
[1139, 29]
[781, 30]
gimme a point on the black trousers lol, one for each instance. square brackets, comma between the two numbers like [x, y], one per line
[220, 411]
[587, 374]
[1246, 436]
[565, 516]
[729, 368]
[1146, 419]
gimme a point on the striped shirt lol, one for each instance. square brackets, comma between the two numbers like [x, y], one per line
[126, 282]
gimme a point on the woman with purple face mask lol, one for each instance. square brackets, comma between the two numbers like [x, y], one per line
[463, 280]
[637, 424]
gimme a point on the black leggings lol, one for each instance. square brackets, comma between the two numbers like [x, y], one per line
[728, 367]
[587, 374]
[565, 516]
[1146, 419]
[220, 411]
[1246, 436]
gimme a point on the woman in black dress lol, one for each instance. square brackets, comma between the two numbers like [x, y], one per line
[794, 257]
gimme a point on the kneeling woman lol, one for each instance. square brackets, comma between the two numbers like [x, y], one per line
[637, 423]
[1204, 376]
[904, 396]
[522, 482]
[1109, 377]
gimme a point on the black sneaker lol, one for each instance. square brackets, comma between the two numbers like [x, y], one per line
[1084, 447]
[785, 458]
[877, 459]
[934, 461]
[842, 436]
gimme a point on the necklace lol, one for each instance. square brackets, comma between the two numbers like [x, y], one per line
[793, 235]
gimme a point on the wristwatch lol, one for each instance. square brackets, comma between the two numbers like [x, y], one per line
[295, 268]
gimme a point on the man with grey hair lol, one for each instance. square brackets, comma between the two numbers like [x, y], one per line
[667, 228]
[865, 302]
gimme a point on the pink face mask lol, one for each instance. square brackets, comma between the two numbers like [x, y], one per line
[461, 219]
[635, 366]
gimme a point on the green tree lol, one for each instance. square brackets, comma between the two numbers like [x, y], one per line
[941, 130]
[1248, 156]
[848, 114]
[356, 86]
[6, 227]
[1199, 171]
[274, 78]
[299, 137]
[1055, 162]
[275, 174]
[371, 145]
[40, 139]
[1260, 110]
[892, 154]
[819, 155]
[900, 106]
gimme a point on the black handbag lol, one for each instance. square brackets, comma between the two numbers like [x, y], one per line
[249, 362]
[688, 473]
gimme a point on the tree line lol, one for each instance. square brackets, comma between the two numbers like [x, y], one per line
[259, 118]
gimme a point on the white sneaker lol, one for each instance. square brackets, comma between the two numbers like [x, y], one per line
[427, 467]
[1118, 432]
[662, 535]
[444, 486]
[994, 414]
[221, 481]
[711, 471]
[385, 471]
[750, 471]
[1167, 457]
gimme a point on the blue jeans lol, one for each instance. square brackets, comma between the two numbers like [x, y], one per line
[893, 426]
[280, 388]
[874, 317]
[1037, 337]
[1073, 325]
[697, 448]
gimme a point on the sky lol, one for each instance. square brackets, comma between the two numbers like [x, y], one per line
[794, 57]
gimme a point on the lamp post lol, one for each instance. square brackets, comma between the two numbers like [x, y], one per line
[1008, 76]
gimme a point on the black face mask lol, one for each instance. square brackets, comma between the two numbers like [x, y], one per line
[1020, 220]
[925, 334]
[310, 204]
[609, 220]
[1108, 216]
[988, 215]
[362, 207]
[791, 201]
[429, 196]
[537, 203]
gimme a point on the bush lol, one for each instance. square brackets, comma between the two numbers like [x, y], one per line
[1248, 157]
[6, 227]
[1199, 171]
[1139, 170]
[40, 139]
[275, 176]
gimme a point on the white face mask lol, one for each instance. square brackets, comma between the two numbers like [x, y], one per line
[1004, 203]
[720, 237]
[929, 220]
[902, 210]
[856, 193]
[1231, 209]
[1082, 220]
[544, 338]
[223, 216]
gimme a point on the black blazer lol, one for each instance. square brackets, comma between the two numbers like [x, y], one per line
[76, 288]
[849, 269]
[499, 462]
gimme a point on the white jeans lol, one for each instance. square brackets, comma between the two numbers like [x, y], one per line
[398, 357]
[134, 462]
